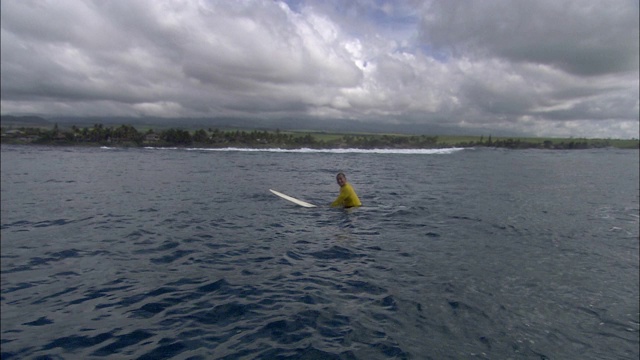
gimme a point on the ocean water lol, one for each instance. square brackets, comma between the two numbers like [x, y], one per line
[185, 254]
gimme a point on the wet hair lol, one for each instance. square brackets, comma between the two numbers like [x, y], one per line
[341, 174]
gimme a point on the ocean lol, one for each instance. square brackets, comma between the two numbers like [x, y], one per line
[134, 253]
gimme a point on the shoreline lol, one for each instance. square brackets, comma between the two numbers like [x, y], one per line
[125, 136]
[342, 149]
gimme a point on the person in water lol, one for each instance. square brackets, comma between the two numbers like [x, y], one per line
[347, 197]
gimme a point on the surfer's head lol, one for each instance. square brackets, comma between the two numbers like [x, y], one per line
[341, 179]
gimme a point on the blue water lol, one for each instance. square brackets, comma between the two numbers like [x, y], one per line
[185, 254]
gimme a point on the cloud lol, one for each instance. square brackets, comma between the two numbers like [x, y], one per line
[551, 61]
[582, 37]
[542, 68]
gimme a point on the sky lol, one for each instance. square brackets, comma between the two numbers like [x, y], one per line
[564, 68]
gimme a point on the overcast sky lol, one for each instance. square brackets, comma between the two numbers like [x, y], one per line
[543, 67]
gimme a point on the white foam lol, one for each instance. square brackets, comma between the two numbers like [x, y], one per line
[329, 151]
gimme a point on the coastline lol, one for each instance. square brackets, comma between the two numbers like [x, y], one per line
[129, 136]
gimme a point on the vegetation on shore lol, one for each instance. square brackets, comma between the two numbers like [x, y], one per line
[127, 135]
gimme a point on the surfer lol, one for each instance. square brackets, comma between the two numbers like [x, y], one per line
[347, 197]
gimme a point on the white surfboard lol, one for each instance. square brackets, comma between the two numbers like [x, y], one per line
[292, 199]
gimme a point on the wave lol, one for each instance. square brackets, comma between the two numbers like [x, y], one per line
[330, 151]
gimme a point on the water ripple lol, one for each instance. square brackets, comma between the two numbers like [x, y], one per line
[177, 254]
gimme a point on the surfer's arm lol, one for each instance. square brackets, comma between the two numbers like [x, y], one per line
[339, 201]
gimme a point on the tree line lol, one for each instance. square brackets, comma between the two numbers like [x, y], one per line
[127, 135]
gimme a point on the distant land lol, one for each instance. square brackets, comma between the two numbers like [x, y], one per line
[295, 124]
[227, 133]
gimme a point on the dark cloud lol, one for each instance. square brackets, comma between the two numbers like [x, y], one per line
[583, 37]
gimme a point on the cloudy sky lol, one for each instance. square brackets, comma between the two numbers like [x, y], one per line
[542, 68]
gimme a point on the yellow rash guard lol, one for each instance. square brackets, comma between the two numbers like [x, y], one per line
[347, 197]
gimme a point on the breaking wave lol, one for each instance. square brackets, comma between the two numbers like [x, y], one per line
[328, 151]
